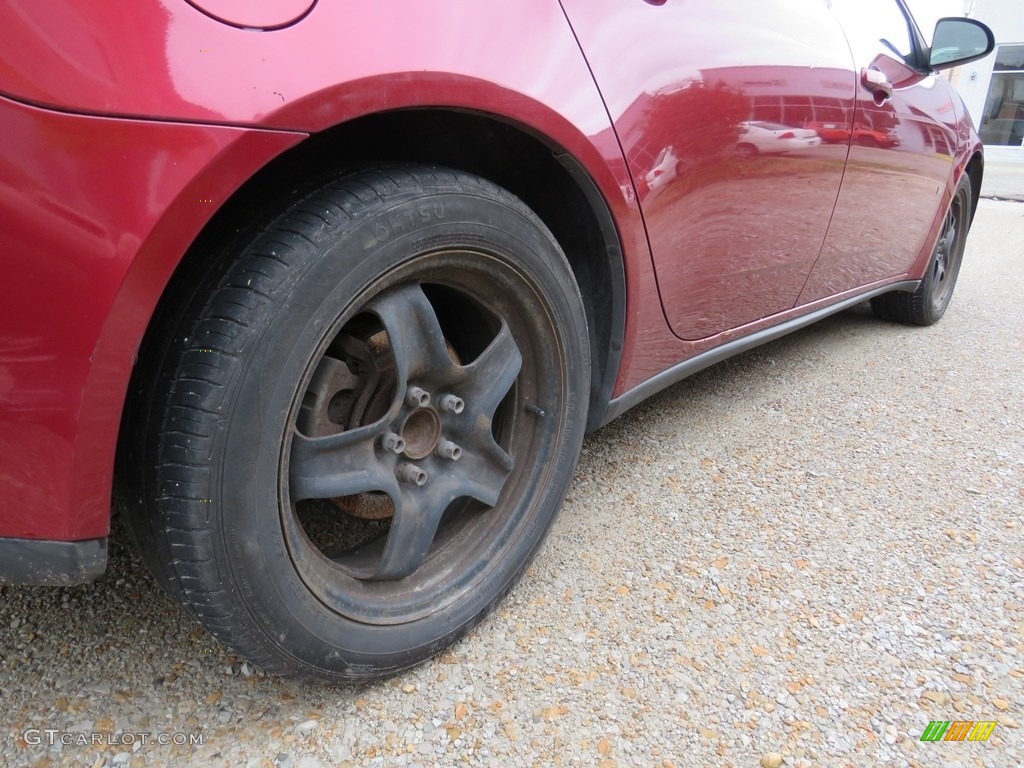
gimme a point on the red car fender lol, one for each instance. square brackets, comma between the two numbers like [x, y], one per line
[193, 79]
[969, 147]
[97, 211]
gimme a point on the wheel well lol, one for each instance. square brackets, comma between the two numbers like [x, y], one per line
[549, 181]
[975, 172]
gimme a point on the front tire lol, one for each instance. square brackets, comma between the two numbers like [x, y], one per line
[929, 302]
[366, 424]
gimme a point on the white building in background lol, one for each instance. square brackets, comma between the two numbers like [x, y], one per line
[993, 87]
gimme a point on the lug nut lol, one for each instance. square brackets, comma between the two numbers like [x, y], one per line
[448, 450]
[410, 473]
[389, 441]
[417, 398]
[452, 404]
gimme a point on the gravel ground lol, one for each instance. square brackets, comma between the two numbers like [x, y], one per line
[812, 549]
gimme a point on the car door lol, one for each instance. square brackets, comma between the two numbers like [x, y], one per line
[900, 161]
[734, 227]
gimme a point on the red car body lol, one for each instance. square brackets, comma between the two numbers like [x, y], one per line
[130, 129]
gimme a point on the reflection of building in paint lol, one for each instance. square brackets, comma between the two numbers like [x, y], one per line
[993, 88]
[792, 95]
[702, 119]
[803, 98]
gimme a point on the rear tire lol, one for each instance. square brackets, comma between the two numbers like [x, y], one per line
[365, 423]
[929, 302]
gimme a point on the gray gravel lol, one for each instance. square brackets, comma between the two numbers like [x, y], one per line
[813, 549]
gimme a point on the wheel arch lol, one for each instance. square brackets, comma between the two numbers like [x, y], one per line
[975, 172]
[549, 180]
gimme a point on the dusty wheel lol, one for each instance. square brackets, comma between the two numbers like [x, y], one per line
[367, 424]
[928, 303]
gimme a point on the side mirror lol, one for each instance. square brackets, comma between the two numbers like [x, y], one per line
[957, 41]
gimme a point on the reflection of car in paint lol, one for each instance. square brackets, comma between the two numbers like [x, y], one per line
[837, 133]
[760, 137]
[666, 168]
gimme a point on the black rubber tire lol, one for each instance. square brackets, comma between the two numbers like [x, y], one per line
[208, 497]
[929, 302]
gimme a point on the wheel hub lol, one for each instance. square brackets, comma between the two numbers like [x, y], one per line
[432, 445]
[421, 432]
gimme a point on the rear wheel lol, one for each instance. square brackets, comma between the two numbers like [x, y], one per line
[929, 302]
[367, 424]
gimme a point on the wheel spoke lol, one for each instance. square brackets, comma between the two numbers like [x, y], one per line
[338, 465]
[484, 469]
[418, 511]
[417, 340]
[480, 474]
[417, 515]
[491, 376]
